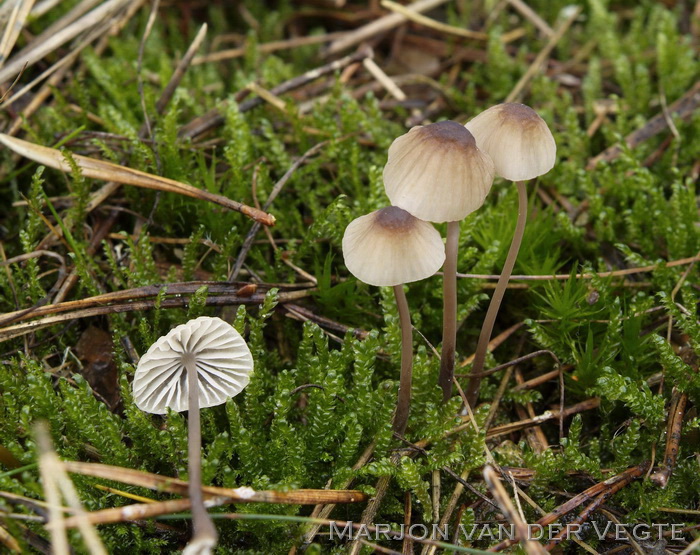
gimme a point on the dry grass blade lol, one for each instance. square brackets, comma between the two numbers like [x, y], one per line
[78, 11]
[612, 273]
[380, 25]
[32, 55]
[138, 511]
[14, 27]
[588, 404]
[501, 496]
[423, 20]
[238, 495]
[54, 476]
[131, 306]
[542, 56]
[9, 541]
[673, 438]
[145, 292]
[108, 171]
[48, 463]
[683, 108]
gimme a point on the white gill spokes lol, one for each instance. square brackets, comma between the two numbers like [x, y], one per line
[219, 363]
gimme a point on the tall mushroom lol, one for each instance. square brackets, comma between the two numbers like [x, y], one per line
[199, 364]
[522, 147]
[437, 173]
[389, 247]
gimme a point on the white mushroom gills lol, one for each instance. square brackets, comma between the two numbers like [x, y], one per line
[221, 356]
[201, 363]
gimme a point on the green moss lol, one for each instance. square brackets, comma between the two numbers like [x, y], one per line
[316, 402]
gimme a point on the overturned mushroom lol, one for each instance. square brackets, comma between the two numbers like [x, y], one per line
[437, 173]
[390, 247]
[522, 147]
[199, 364]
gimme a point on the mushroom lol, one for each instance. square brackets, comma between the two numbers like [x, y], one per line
[199, 364]
[437, 173]
[522, 147]
[390, 247]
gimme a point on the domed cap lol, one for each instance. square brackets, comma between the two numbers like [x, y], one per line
[437, 173]
[221, 356]
[517, 139]
[391, 247]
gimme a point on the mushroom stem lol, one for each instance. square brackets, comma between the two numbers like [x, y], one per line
[205, 534]
[472, 392]
[403, 404]
[449, 311]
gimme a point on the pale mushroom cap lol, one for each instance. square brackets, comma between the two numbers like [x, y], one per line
[222, 358]
[391, 247]
[437, 173]
[517, 139]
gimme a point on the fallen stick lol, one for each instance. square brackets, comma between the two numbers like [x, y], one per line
[684, 108]
[624, 480]
[214, 118]
[673, 438]
[501, 496]
[594, 491]
[380, 25]
[108, 171]
[229, 495]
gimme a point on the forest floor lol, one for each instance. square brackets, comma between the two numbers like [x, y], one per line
[170, 160]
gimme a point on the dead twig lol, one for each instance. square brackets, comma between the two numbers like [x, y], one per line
[379, 26]
[683, 108]
[501, 496]
[96, 309]
[673, 438]
[623, 480]
[613, 273]
[239, 495]
[599, 489]
[588, 404]
[108, 171]
[542, 56]
[248, 241]
[215, 117]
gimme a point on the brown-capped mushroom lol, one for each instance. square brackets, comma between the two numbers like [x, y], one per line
[390, 247]
[437, 173]
[199, 364]
[522, 147]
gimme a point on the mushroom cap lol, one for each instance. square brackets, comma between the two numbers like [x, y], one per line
[221, 356]
[437, 173]
[517, 139]
[391, 247]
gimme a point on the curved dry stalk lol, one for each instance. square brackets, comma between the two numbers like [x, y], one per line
[487, 327]
[449, 311]
[403, 405]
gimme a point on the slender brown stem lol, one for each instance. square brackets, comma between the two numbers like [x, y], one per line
[486, 329]
[204, 529]
[403, 404]
[449, 311]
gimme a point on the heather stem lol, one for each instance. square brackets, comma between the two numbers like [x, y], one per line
[449, 311]
[205, 534]
[403, 404]
[472, 392]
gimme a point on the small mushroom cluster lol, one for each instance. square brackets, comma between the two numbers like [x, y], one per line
[440, 173]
